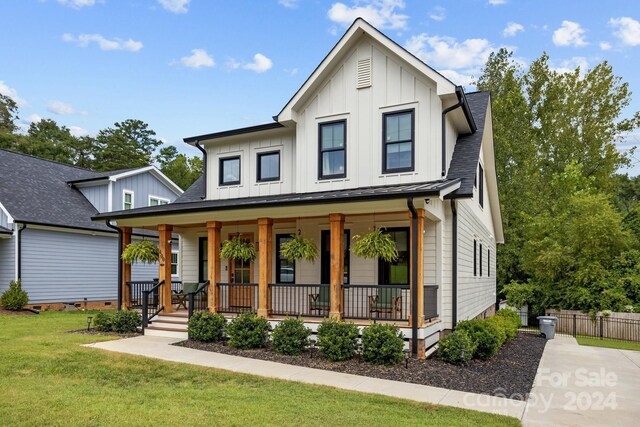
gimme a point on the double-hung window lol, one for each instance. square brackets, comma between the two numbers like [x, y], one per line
[285, 269]
[268, 166]
[174, 263]
[398, 141]
[230, 170]
[127, 200]
[157, 201]
[333, 150]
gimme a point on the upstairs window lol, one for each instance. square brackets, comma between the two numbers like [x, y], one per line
[480, 259]
[332, 147]
[269, 166]
[127, 200]
[398, 143]
[488, 262]
[230, 171]
[480, 185]
[475, 258]
[157, 201]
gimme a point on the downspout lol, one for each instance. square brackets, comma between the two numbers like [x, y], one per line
[19, 255]
[204, 167]
[414, 277]
[454, 265]
[460, 95]
[113, 227]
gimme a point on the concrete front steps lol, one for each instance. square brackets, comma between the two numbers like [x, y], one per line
[170, 325]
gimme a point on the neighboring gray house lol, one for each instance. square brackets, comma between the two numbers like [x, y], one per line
[47, 237]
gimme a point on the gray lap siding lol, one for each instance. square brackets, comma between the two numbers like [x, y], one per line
[7, 262]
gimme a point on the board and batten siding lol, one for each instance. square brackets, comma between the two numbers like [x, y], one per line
[4, 220]
[98, 196]
[142, 185]
[7, 262]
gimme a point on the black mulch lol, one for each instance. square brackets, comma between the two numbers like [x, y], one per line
[510, 373]
[109, 334]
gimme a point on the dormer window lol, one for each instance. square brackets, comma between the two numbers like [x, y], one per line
[398, 141]
[333, 149]
[230, 171]
[127, 200]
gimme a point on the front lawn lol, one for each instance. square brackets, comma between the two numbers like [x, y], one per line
[47, 378]
[620, 345]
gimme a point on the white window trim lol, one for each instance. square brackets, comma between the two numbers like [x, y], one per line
[161, 199]
[133, 204]
[177, 263]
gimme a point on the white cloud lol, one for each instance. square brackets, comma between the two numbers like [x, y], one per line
[60, 108]
[10, 92]
[379, 13]
[448, 53]
[78, 131]
[438, 13]
[77, 4]
[569, 34]
[199, 58]
[84, 40]
[33, 118]
[463, 79]
[289, 4]
[260, 64]
[605, 45]
[512, 29]
[627, 30]
[570, 65]
[175, 6]
[497, 2]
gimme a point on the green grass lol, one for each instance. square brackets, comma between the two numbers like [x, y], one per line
[47, 378]
[597, 342]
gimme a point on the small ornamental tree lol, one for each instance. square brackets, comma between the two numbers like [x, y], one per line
[14, 298]
[375, 244]
[144, 251]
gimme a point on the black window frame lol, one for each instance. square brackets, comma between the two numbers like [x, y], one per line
[321, 151]
[385, 169]
[221, 161]
[488, 262]
[481, 185]
[259, 166]
[279, 259]
[480, 259]
[475, 257]
[203, 249]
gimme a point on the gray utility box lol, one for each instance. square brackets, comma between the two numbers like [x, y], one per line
[548, 326]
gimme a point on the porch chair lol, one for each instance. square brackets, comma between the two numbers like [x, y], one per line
[320, 301]
[180, 297]
[387, 301]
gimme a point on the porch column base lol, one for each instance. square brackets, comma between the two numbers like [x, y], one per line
[422, 354]
[263, 312]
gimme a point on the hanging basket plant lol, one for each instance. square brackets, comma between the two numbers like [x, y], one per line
[238, 248]
[299, 248]
[375, 244]
[143, 251]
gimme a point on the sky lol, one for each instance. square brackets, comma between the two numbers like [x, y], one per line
[190, 67]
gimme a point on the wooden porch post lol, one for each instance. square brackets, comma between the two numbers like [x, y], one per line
[420, 267]
[126, 269]
[337, 264]
[265, 255]
[213, 264]
[164, 273]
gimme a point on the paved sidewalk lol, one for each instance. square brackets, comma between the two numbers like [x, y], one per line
[585, 386]
[160, 348]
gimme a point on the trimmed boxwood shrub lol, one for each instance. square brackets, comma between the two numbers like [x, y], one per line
[102, 321]
[290, 336]
[122, 322]
[337, 340]
[206, 327]
[14, 298]
[486, 335]
[382, 344]
[511, 316]
[456, 348]
[505, 326]
[248, 331]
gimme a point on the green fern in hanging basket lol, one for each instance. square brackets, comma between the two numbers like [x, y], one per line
[144, 251]
[299, 248]
[238, 248]
[375, 244]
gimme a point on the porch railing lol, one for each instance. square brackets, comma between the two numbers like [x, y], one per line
[137, 287]
[151, 303]
[238, 297]
[299, 300]
[430, 302]
[198, 300]
[380, 302]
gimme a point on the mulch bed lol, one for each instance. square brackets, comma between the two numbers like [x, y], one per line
[510, 373]
[18, 312]
[110, 334]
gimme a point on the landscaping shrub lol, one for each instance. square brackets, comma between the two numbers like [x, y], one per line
[337, 340]
[486, 336]
[206, 327]
[382, 344]
[248, 331]
[456, 348]
[512, 316]
[102, 321]
[290, 337]
[14, 298]
[125, 321]
[503, 327]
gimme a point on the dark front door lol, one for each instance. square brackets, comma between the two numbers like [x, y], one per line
[325, 257]
[396, 272]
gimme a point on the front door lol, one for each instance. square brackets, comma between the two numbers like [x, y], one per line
[396, 272]
[241, 298]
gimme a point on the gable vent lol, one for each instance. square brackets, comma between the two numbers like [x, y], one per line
[364, 73]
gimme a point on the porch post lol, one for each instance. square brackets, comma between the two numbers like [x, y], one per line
[419, 266]
[164, 266]
[265, 255]
[126, 270]
[337, 264]
[213, 264]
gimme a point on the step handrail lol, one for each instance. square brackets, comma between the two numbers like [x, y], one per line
[203, 288]
[145, 305]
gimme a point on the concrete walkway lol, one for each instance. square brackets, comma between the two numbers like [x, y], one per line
[160, 348]
[585, 386]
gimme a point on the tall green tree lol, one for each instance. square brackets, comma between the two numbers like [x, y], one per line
[181, 169]
[47, 140]
[127, 144]
[8, 114]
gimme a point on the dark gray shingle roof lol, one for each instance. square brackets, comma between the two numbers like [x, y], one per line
[467, 151]
[194, 193]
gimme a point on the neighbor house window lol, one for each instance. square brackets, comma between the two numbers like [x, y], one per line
[269, 166]
[127, 200]
[480, 185]
[398, 134]
[285, 269]
[230, 171]
[157, 201]
[475, 258]
[333, 144]
[480, 259]
[174, 263]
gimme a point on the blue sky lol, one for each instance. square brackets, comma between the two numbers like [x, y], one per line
[189, 67]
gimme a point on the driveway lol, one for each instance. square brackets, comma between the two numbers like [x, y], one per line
[585, 386]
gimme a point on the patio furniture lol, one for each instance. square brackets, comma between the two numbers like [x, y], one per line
[180, 297]
[321, 300]
[387, 301]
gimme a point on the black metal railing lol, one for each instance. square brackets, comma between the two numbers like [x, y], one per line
[238, 297]
[198, 300]
[151, 303]
[176, 286]
[299, 300]
[136, 289]
[382, 302]
[430, 302]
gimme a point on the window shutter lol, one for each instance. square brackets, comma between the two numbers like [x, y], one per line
[364, 73]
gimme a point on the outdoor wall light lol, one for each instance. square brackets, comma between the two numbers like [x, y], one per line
[89, 323]
[406, 358]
